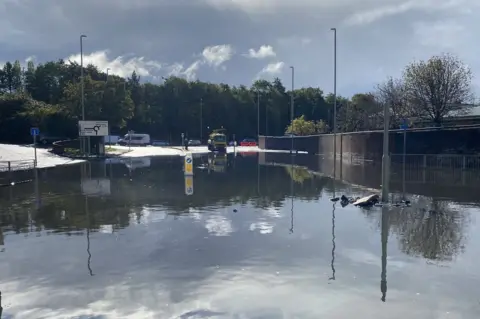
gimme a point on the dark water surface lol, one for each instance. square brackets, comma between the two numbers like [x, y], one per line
[259, 238]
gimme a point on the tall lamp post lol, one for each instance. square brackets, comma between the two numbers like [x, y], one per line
[201, 120]
[82, 90]
[292, 101]
[258, 115]
[108, 69]
[334, 100]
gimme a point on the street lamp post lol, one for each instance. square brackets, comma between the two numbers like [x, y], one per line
[292, 101]
[386, 157]
[258, 115]
[201, 119]
[82, 85]
[108, 69]
[334, 100]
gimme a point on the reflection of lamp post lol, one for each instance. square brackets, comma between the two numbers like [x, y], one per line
[384, 239]
[291, 194]
[333, 243]
[87, 174]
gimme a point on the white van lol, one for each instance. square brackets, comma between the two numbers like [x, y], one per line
[135, 139]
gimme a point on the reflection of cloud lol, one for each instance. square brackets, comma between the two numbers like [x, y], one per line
[106, 229]
[218, 226]
[262, 227]
[248, 295]
[272, 212]
[151, 215]
[366, 257]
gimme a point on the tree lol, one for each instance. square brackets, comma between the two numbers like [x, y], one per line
[392, 94]
[438, 87]
[301, 126]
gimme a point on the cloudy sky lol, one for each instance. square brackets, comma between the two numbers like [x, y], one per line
[237, 41]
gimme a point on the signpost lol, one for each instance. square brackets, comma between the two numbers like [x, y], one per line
[93, 128]
[188, 185]
[34, 132]
[188, 164]
[404, 127]
[234, 145]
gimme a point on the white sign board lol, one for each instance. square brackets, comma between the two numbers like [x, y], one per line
[93, 128]
[96, 187]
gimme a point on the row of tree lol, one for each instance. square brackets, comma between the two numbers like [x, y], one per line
[48, 95]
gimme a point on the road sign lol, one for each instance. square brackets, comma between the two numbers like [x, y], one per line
[404, 125]
[34, 131]
[93, 128]
[188, 164]
[188, 185]
[96, 187]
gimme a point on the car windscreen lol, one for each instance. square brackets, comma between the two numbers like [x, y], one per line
[219, 138]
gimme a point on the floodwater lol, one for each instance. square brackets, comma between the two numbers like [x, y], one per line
[258, 237]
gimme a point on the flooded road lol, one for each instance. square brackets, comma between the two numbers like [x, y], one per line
[258, 237]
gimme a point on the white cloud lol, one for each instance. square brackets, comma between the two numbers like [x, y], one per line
[120, 65]
[441, 34]
[273, 68]
[376, 13]
[189, 73]
[218, 54]
[31, 58]
[265, 51]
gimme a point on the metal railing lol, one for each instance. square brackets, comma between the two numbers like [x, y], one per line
[437, 161]
[10, 166]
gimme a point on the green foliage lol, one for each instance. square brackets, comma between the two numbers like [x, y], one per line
[48, 95]
[301, 126]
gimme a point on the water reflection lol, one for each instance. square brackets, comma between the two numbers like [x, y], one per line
[232, 248]
[385, 224]
[333, 242]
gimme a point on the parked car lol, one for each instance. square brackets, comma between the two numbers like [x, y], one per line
[248, 142]
[194, 143]
[135, 139]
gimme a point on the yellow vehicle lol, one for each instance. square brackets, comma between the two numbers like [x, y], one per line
[217, 141]
[217, 163]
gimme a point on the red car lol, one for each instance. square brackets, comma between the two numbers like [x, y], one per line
[248, 142]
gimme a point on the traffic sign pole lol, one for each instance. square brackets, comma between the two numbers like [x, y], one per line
[404, 127]
[35, 149]
[34, 131]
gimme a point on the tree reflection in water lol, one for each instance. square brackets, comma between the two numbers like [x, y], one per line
[434, 231]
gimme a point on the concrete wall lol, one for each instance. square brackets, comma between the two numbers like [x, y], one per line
[369, 145]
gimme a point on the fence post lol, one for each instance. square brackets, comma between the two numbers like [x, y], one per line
[9, 172]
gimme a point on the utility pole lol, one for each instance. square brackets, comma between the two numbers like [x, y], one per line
[334, 100]
[292, 106]
[258, 115]
[82, 90]
[386, 157]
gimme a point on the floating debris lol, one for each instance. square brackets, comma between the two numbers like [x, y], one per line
[367, 201]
